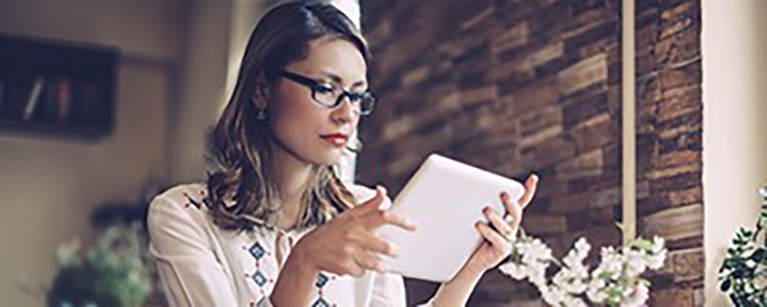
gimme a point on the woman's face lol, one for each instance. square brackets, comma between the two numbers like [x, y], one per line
[305, 129]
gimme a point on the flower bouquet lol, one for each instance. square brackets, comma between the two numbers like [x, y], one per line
[615, 281]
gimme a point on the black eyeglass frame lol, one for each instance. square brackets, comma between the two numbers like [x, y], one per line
[316, 86]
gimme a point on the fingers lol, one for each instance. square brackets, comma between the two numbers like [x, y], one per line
[531, 185]
[353, 268]
[500, 225]
[374, 243]
[356, 261]
[374, 203]
[512, 208]
[496, 239]
[375, 219]
[369, 261]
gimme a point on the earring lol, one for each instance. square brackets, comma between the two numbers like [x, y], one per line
[261, 115]
[357, 148]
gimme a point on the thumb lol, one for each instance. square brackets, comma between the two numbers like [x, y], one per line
[375, 202]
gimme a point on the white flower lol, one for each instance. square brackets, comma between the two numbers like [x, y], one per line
[569, 282]
[614, 281]
[637, 296]
[553, 296]
[536, 249]
[611, 265]
[571, 301]
[658, 244]
[635, 262]
[516, 271]
[595, 290]
[583, 246]
[656, 261]
[536, 273]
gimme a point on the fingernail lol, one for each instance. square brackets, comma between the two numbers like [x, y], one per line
[504, 196]
[393, 250]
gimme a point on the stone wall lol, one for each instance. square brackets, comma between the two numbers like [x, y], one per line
[534, 86]
[669, 143]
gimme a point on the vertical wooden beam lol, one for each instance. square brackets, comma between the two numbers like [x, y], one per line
[628, 120]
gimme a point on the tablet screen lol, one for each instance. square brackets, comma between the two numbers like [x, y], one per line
[445, 199]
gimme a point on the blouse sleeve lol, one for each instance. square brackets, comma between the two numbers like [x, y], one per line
[388, 290]
[190, 272]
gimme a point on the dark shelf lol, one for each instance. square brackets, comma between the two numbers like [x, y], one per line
[55, 88]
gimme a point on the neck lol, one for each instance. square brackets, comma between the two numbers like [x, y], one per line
[292, 177]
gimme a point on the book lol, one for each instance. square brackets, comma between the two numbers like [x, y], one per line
[34, 98]
[77, 101]
[91, 101]
[2, 95]
[63, 93]
[15, 94]
[48, 107]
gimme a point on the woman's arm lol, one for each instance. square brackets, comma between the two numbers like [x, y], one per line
[295, 283]
[457, 291]
[187, 266]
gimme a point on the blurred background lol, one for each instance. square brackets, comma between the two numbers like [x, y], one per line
[514, 86]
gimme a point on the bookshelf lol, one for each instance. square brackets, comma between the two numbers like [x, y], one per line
[56, 88]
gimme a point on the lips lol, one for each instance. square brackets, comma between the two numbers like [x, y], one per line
[336, 139]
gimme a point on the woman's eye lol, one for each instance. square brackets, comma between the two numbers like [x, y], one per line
[320, 89]
[355, 97]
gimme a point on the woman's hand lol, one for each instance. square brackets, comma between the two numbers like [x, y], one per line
[496, 247]
[497, 244]
[346, 245]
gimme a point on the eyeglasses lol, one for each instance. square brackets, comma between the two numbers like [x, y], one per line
[332, 97]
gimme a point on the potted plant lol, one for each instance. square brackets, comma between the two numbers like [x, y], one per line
[743, 273]
[111, 273]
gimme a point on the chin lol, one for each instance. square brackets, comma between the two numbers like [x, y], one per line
[332, 160]
[327, 158]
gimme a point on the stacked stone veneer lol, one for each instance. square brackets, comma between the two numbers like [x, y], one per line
[521, 86]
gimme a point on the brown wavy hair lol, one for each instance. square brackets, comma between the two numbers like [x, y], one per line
[242, 192]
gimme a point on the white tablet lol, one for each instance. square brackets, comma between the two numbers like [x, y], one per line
[445, 199]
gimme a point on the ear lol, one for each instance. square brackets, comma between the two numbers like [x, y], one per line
[261, 92]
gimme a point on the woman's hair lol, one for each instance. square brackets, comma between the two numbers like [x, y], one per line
[243, 192]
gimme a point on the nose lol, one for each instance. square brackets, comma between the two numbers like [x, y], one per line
[345, 112]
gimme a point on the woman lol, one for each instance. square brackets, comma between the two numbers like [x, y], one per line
[274, 225]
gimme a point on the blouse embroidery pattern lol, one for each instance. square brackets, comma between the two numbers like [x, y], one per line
[258, 252]
[322, 281]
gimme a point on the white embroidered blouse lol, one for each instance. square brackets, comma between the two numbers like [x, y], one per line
[201, 264]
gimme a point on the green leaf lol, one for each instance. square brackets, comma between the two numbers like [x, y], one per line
[725, 286]
[759, 255]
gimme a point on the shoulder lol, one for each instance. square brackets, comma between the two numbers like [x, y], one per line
[183, 195]
[182, 204]
[362, 194]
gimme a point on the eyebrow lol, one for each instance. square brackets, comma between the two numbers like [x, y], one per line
[338, 80]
